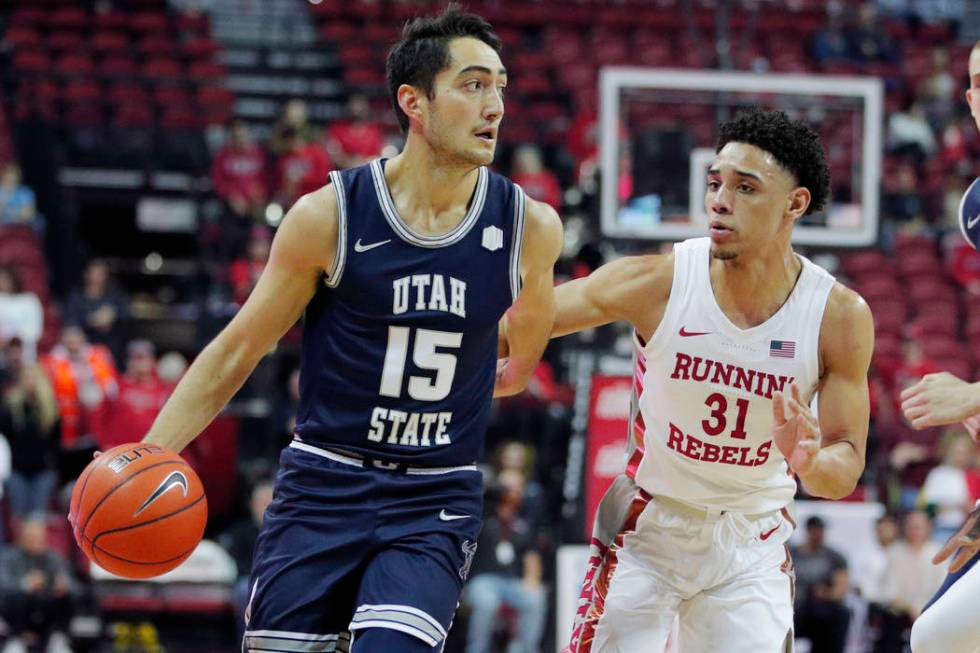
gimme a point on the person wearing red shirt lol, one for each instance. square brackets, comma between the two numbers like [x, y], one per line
[239, 172]
[530, 174]
[358, 139]
[245, 272]
[303, 168]
[125, 417]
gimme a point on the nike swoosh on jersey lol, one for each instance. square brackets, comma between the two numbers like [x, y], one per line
[973, 221]
[358, 247]
[445, 516]
[765, 536]
[684, 333]
[176, 479]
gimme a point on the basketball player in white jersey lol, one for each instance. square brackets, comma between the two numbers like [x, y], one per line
[734, 335]
[950, 622]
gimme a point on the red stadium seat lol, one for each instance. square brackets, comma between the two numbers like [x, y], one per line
[157, 45]
[200, 47]
[133, 116]
[31, 61]
[207, 70]
[70, 18]
[22, 37]
[107, 42]
[74, 64]
[64, 40]
[149, 21]
[162, 68]
[119, 66]
[81, 91]
[125, 92]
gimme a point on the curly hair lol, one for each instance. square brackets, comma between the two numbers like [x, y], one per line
[793, 144]
[423, 51]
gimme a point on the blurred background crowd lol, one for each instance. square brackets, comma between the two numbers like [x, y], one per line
[149, 149]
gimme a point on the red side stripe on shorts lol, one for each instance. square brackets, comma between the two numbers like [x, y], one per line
[598, 576]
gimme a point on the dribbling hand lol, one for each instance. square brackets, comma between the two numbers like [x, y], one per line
[966, 540]
[797, 436]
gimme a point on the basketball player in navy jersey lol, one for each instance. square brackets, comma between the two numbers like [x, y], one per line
[950, 621]
[403, 268]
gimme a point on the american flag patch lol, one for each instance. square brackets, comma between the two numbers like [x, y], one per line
[782, 348]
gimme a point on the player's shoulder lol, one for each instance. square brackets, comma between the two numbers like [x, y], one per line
[846, 305]
[541, 219]
[309, 231]
[848, 326]
[638, 279]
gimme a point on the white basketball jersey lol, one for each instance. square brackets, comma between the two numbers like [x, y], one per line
[702, 409]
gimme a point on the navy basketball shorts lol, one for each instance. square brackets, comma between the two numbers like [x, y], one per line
[346, 546]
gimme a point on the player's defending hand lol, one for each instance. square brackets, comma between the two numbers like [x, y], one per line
[798, 435]
[939, 399]
[967, 540]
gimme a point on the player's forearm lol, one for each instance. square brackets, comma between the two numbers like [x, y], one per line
[217, 373]
[528, 328]
[835, 471]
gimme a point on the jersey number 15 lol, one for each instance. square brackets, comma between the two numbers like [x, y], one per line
[425, 357]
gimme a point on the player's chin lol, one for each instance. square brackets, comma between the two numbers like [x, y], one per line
[723, 253]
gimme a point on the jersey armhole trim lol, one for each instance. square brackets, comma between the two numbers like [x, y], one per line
[517, 243]
[340, 258]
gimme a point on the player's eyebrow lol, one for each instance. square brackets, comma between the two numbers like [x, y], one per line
[481, 69]
[740, 173]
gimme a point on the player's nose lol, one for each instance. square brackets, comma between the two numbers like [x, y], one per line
[720, 201]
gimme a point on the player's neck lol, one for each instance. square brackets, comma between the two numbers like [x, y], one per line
[426, 190]
[750, 289]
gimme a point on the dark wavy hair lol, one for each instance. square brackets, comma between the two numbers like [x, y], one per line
[791, 142]
[423, 51]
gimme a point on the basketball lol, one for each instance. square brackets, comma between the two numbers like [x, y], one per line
[970, 214]
[138, 510]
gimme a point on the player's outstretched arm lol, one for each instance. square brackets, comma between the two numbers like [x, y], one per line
[302, 250]
[939, 399]
[828, 453]
[528, 321]
[631, 288]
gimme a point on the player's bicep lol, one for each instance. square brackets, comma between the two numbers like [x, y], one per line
[847, 342]
[302, 249]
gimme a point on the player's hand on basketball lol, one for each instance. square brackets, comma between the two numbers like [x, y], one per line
[965, 543]
[795, 430]
[938, 399]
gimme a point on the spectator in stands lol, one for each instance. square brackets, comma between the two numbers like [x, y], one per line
[127, 416]
[21, 313]
[244, 272]
[867, 41]
[302, 168]
[356, 139]
[29, 420]
[902, 200]
[38, 591]
[82, 375]
[506, 570]
[909, 132]
[946, 490]
[530, 174]
[239, 173]
[871, 565]
[939, 89]
[239, 542]
[911, 578]
[830, 44]
[17, 203]
[821, 585]
[98, 307]
[293, 123]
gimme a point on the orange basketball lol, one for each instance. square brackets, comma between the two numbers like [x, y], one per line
[138, 510]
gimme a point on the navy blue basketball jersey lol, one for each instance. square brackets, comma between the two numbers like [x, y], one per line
[400, 341]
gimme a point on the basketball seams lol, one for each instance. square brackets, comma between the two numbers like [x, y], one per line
[96, 547]
[120, 484]
[145, 523]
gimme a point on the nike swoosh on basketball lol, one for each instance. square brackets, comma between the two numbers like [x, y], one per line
[445, 516]
[765, 536]
[684, 333]
[358, 247]
[973, 221]
[176, 479]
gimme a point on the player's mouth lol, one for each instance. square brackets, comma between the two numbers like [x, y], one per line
[489, 134]
[719, 230]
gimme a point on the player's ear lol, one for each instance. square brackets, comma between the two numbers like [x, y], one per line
[412, 101]
[799, 201]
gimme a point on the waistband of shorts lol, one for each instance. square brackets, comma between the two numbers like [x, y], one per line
[703, 512]
[359, 460]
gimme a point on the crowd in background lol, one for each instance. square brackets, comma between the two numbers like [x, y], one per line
[97, 385]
